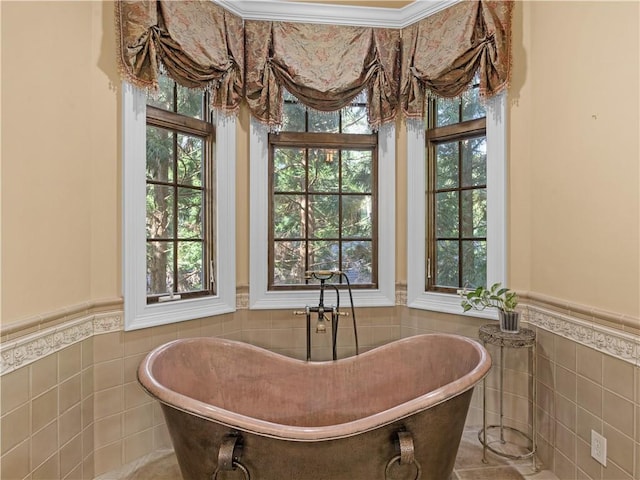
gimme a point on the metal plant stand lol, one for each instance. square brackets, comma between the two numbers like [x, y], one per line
[491, 334]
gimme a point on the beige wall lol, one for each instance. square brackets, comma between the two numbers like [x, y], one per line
[60, 157]
[573, 147]
[574, 153]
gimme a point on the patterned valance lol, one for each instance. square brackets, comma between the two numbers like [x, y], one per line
[324, 66]
[442, 53]
[201, 45]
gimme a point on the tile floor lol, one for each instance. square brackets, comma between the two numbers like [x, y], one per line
[469, 466]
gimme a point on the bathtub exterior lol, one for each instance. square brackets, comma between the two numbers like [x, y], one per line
[316, 420]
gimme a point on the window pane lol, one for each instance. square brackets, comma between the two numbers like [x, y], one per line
[190, 266]
[289, 170]
[356, 216]
[190, 205]
[293, 117]
[159, 267]
[324, 170]
[471, 106]
[159, 211]
[289, 216]
[323, 255]
[159, 154]
[328, 122]
[323, 216]
[447, 214]
[357, 260]
[190, 160]
[190, 102]
[163, 98]
[474, 213]
[447, 165]
[354, 120]
[447, 263]
[447, 111]
[288, 263]
[474, 162]
[474, 263]
[357, 171]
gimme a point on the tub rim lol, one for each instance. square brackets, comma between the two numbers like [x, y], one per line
[281, 431]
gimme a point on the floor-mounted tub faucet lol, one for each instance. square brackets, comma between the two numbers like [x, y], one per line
[321, 326]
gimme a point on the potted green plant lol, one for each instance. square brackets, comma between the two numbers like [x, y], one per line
[503, 299]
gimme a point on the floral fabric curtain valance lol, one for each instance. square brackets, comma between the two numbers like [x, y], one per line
[324, 66]
[442, 53]
[200, 45]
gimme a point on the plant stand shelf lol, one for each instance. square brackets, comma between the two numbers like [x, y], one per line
[491, 334]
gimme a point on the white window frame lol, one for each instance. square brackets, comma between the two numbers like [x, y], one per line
[417, 297]
[259, 295]
[137, 313]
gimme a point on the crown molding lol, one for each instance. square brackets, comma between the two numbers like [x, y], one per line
[352, 15]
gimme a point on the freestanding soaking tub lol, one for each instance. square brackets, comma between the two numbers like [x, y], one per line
[394, 412]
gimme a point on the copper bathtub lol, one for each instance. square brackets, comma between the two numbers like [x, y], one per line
[394, 412]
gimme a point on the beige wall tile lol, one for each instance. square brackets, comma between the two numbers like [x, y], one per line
[44, 409]
[565, 353]
[15, 464]
[138, 419]
[545, 371]
[88, 467]
[585, 461]
[161, 438]
[545, 343]
[566, 412]
[108, 402]
[564, 468]
[613, 472]
[107, 458]
[108, 346]
[566, 382]
[566, 442]
[86, 382]
[618, 412]
[69, 361]
[87, 352]
[586, 422]
[618, 376]
[69, 424]
[49, 470]
[75, 474]
[88, 441]
[87, 407]
[69, 393]
[14, 389]
[620, 448]
[134, 395]
[107, 430]
[108, 374]
[15, 427]
[589, 396]
[71, 456]
[44, 374]
[131, 365]
[138, 445]
[44, 444]
[137, 341]
[589, 363]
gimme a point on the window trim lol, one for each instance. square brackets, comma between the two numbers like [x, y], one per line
[259, 296]
[137, 313]
[417, 297]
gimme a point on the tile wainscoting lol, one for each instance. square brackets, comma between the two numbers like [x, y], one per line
[72, 407]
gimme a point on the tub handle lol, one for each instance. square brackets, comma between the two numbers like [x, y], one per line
[406, 457]
[227, 459]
